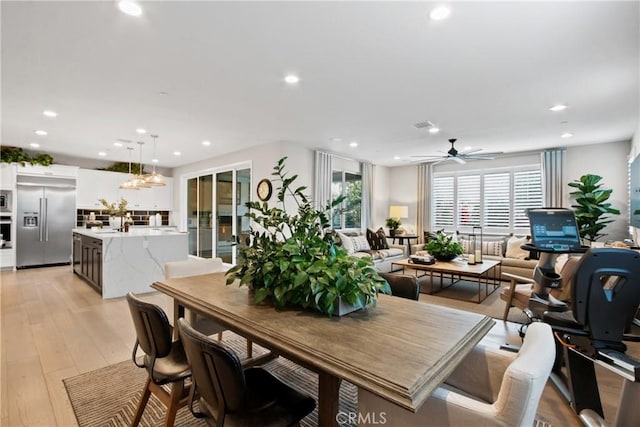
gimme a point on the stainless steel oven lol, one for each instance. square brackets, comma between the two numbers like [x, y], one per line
[5, 200]
[5, 231]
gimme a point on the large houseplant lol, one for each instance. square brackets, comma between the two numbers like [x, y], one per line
[443, 247]
[293, 259]
[591, 207]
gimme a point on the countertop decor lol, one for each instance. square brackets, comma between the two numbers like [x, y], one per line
[293, 259]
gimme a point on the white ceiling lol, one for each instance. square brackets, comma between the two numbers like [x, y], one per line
[369, 71]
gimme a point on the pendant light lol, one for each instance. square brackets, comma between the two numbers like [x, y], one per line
[128, 184]
[154, 179]
[138, 181]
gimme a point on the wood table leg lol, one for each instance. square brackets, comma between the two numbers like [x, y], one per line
[328, 393]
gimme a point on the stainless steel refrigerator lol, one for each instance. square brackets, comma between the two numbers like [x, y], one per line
[46, 214]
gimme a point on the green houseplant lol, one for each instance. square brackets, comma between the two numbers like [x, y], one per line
[293, 259]
[591, 207]
[392, 224]
[443, 248]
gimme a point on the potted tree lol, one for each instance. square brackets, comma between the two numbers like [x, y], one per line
[294, 259]
[591, 207]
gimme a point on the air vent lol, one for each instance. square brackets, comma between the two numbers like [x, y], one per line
[423, 125]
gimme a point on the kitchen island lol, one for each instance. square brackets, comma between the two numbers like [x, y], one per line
[115, 263]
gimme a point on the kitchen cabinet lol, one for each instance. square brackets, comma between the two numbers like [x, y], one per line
[93, 185]
[7, 176]
[87, 259]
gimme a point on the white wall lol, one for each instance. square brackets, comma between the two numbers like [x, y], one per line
[403, 190]
[610, 162]
[381, 190]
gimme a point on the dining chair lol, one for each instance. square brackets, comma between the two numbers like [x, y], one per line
[490, 387]
[164, 359]
[195, 267]
[403, 285]
[231, 395]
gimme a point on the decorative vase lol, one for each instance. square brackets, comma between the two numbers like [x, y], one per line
[392, 233]
[114, 221]
[345, 308]
[445, 257]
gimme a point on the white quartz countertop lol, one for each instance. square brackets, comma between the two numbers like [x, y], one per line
[107, 233]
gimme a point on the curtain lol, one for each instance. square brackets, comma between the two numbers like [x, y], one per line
[322, 184]
[553, 165]
[423, 208]
[367, 196]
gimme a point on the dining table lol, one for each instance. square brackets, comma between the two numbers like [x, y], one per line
[398, 349]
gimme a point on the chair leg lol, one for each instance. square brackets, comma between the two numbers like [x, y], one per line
[143, 403]
[510, 293]
[177, 389]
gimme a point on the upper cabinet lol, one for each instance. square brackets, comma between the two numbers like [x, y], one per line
[93, 185]
[7, 176]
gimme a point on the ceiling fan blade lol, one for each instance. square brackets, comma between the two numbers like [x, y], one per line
[479, 158]
[458, 159]
[475, 150]
[441, 161]
[427, 157]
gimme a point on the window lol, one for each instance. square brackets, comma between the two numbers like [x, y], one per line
[496, 199]
[349, 184]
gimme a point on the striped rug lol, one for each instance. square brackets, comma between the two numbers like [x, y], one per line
[109, 396]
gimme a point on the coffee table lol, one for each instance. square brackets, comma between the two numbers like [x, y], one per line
[458, 270]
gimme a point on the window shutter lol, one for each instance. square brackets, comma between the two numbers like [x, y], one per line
[443, 202]
[527, 193]
[468, 200]
[497, 203]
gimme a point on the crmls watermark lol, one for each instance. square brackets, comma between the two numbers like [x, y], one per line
[357, 418]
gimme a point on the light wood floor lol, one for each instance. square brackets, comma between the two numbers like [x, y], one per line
[54, 326]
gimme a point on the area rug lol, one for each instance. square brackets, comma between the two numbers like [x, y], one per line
[109, 396]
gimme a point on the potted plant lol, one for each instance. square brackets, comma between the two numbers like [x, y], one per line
[294, 260]
[591, 208]
[115, 211]
[443, 247]
[392, 224]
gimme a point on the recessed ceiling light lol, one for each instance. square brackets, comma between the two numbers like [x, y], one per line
[353, 144]
[34, 145]
[141, 131]
[130, 7]
[154, 160]
[102, 153]
[558, 107]
[566, 135]
[434, 129]
[292, 79]
[50, 113]
[41, 132]
[206, 143]
[177, 153]
[439, 13]
[117, 144]
[396, 157]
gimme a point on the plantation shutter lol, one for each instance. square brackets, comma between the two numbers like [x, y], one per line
[468, 200]
[497, 203]
[442, 194]
[527, 193]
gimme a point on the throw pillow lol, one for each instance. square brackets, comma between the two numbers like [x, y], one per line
[514, 250]
[347, 244]
[377, 239]
[492, 248]
[360, 243]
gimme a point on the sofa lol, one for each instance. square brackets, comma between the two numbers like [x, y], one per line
[358, 245]
[505, 249]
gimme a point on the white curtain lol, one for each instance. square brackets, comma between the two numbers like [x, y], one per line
[322, 184]
[423, 208]
[367, 196]
[553, 165]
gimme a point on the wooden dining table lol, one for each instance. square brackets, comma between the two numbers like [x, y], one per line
[400, 349]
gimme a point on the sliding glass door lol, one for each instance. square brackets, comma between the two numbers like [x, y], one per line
[215, 213]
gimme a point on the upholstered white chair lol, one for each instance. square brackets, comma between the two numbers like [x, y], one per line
[490, 387]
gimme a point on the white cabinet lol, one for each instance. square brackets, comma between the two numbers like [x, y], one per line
[7, 176]
[94, 184]
[6, 258]
[52, 170]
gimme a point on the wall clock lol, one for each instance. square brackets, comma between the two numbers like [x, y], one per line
[264, 190]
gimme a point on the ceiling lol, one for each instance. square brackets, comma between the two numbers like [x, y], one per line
[369, 71]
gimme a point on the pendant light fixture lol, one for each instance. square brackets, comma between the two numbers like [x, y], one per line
[138, 181]
[154, 179]
[128, 184]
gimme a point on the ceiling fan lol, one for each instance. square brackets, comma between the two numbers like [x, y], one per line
[458, 156]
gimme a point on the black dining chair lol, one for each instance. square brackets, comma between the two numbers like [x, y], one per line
[164, 359]
[403, 285]
[232, 396]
